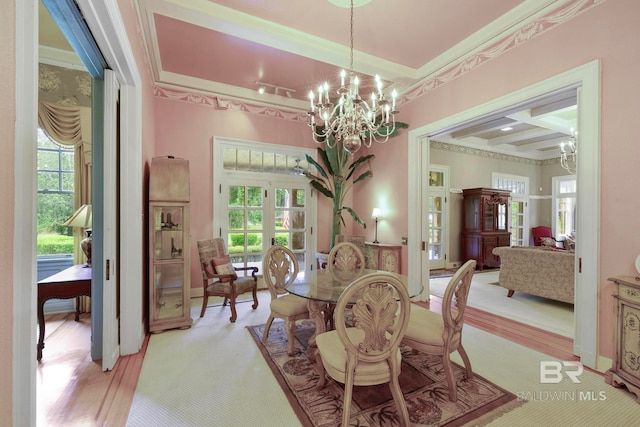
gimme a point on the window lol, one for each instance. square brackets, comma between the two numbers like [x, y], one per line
[519, 187]
[55, 196]
[564, 205]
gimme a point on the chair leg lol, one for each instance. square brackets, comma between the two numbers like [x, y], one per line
[232, 304]
[267, 327]
[290, 326]
[205, 300]
[465, 359]
[348, 394]
[401, 405]
[321, 373]
[255, 298]
[451, 380]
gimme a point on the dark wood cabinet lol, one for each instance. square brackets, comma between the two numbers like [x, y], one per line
[485, 225]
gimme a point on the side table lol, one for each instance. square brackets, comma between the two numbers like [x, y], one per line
[73, 282]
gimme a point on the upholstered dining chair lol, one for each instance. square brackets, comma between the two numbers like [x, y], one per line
[345, 256]
[367, 353]
[280, 268]
[441, 334]
[219, 276]
[357, 240]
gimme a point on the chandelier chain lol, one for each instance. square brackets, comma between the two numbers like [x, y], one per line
[351, 34]
[352, 121]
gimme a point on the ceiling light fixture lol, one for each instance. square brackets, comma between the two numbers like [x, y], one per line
[569, 153]
[506, 129]
[352, 121]
[262, 88]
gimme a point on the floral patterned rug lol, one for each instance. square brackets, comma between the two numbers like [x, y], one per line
[422, 381]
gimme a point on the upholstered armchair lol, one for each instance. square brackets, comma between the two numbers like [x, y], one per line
[219, 276]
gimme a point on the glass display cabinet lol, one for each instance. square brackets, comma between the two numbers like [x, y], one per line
[485, 225]
[169, 274]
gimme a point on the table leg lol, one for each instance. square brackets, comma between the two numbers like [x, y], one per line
[40, 329]
[316, 313]
[77, 309]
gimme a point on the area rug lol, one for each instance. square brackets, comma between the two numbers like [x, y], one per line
[422, 381]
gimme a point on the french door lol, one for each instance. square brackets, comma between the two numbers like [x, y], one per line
[437, 217]
[262, 213]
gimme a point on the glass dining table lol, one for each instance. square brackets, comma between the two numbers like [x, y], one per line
[322, 289]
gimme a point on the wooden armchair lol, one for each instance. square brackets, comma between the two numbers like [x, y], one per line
[219, 276]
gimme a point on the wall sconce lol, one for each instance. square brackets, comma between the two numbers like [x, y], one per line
[376, 214]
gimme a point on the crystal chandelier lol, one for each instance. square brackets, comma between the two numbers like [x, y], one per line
[352, 121]
[569, 153]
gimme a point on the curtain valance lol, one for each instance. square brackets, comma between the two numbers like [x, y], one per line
[67, 125]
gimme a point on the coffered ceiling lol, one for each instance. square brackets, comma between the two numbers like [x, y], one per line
[225, 48]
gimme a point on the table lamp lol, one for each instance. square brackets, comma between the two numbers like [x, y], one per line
[82, 219]
[376, 214]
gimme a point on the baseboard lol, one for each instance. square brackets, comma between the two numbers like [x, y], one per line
[603, 364]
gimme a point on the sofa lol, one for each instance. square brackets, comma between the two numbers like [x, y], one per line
[544, 272]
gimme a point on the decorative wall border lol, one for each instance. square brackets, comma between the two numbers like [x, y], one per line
[220, 103]
[523, 34]
[462, 66]
[454, 148]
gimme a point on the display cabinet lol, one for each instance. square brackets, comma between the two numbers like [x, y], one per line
[381, 256]
[485, 225]
[626, 361]
[169, 275]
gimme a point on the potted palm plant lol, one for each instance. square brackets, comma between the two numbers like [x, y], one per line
[335, 176]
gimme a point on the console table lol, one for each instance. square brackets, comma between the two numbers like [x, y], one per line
[73, 282]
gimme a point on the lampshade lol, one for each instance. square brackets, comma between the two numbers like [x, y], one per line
[376, 214]
[80, 218]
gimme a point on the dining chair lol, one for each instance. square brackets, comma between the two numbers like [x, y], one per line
[357, 240]
[441, 334]
[367, 353]
[346, 256]
[280, 268]
[219, 276]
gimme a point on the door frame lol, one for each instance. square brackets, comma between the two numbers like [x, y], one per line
[219, 208]
[107, 27]
[586, 77]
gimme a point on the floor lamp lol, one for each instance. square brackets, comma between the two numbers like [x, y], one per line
[376, 214]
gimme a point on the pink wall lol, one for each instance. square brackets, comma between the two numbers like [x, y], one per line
[608, 32]
[7, 130]
[186, 130]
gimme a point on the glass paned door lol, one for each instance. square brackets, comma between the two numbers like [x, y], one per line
[245, 231]
[290, 223]
[262, 216]
[517, 223]
[437, 217]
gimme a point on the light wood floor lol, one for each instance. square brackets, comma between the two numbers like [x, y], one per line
[73, 390]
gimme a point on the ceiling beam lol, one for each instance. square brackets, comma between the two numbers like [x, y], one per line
[495, 124]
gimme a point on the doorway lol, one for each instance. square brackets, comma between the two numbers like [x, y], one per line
[586, 78]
